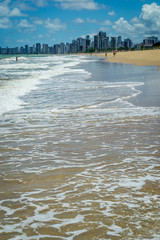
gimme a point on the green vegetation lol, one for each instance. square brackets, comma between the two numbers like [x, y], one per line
[156, 45]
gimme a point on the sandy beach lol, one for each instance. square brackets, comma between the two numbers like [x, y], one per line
[143, 58]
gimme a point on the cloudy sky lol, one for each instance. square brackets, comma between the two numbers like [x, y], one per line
[54, 21]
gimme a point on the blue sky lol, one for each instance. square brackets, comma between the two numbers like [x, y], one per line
[54, 21]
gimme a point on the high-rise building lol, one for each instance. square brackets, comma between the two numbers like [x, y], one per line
[38, 48]
[105, 44]
[30, 50]
[50, 50]
[95, 42]
[88, 42]
[155, 39]
[67, 50]
[73, 46]
[80, 44]
[55, 48]
[34, 49]
[150, 41]
[45, 49]
[114, 42]
[128, 43]
[101, 41]
[21, 50]
[26, 49]
[62, 48]
[119, 41]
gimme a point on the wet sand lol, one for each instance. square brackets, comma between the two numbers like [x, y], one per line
[141, 58]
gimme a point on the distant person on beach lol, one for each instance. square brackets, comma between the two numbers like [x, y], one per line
[114, 53]
[16, 59]
[105, 54]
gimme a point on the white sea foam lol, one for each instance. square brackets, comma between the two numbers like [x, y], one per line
[10, 93]
[12, 89]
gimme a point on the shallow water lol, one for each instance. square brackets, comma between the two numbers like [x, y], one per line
[79, 149]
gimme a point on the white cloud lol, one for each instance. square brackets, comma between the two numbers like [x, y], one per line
[112, 13]
[78, 20]
[25, 24]
[22, 5]
[15, 13]
[79, 5]
[91, 35]
[40, 3]
[140, 28]
[106, 23]
[29, 4]
[123, 27]
[98, 22]
[104, 29]
[21, 40]
[54, 25]
[5, 23]
[38, 22]
[148, 23]
[150, 12]
[150, 17]
[92, 20]
[134, 20]
[4, 11]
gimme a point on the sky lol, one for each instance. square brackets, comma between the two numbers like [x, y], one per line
[53, 21]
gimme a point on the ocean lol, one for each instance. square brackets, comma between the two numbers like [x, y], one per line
[79, 149]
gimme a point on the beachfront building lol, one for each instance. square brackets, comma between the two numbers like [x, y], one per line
[114, 42]
[62, 48]
[45, 49]
[21, 50]
[31, 50]
[96, 42]
[73, 46]
[128, 43]
[80, 44]
[56, 48]
[38, 48]
[26, 49]
[86, 43]
[101, 41]
[119, 41]
[101, 38]
[67, 48]
[148, 42]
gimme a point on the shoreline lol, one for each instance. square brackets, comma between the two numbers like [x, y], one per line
[139, 58]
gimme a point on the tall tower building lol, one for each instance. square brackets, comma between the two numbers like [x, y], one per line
[119, 41]
[45, 48]
[79, 44]
[95, 42]
[21, 50]
[128, 43]
[62, 48]
[26, 49]
[38, 48]
[113, 42]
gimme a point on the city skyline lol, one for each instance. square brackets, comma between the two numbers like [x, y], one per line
[54, 21]
[101, 42]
